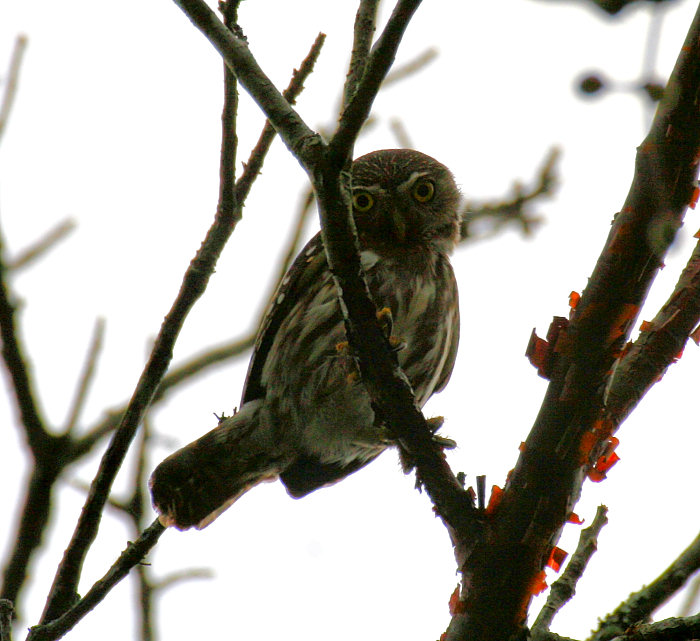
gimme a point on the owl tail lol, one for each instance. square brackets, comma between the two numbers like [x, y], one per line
[193, 486]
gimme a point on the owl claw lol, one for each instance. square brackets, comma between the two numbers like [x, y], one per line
[386, 324]
[386, 320]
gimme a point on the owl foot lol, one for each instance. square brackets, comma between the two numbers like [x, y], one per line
[386, 324]
[444, 443]
[434, 424]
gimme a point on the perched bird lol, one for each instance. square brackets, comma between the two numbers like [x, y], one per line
[305, 416]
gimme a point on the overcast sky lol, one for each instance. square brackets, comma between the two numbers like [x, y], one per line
[116, 125]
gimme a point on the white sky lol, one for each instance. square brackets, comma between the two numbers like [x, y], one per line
[117, 125]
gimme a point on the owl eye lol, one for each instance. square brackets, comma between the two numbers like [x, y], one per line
[362, 201]
[423, 191]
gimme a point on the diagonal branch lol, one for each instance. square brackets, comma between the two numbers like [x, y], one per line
[48, 241]
[499, 581]
[375, 71]
[365, 26]
[11, 80]
[132, 555]
[564, 588]
[86, 376]
[660, 344]
[298, 137]
[639, 606]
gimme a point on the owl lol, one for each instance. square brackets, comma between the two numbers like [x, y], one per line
[305, 416]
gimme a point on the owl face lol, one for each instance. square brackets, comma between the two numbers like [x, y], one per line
[402, 200]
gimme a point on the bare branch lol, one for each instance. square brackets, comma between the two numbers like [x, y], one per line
[229, 141]
[659, 345]
[11, 80]
[514, 210]
[299, 138]
[182, 576]
[400, 133]
[547, 479]
[365, 26]
[87, 375]
[672, 629]
[132, 555]
[17, 366]
[640, 605]
[564, 588]
[412, 67]
[378, 65]
[196, 278]
[295, 87]
[47, 242]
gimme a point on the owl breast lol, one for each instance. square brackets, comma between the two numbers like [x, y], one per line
[314, 392]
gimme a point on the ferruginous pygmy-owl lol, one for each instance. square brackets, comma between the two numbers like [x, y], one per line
[305, 416]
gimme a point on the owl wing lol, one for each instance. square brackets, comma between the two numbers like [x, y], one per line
[451, 351]
[307, 473]
[306, 268]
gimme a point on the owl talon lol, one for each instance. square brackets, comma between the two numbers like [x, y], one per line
[396, 343]
[385, 320]
[434, 424]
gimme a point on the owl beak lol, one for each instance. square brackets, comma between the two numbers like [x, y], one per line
[398, 225]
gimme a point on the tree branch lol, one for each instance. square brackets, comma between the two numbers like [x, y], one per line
[365, 26]
[501, 576]
[659, 345]
[640, 605]
[298, 137]
[44, 244]
[564, 588]
[132, 555]
[87, 376]
[64, 590]
[11, 80]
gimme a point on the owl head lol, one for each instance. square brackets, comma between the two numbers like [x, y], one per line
[402, 200]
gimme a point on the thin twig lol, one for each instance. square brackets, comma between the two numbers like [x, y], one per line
[132, 555]
[400, 133]
[513, 210]
[295, 87]
[640, 605]
[47, 242]
[299, 138]
[411, 67]
[229, 142]
[11, 80]
[86, 376]
[377, 67]
[564, 588]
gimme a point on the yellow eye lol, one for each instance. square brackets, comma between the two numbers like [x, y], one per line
[362, 201]
[423, 191]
